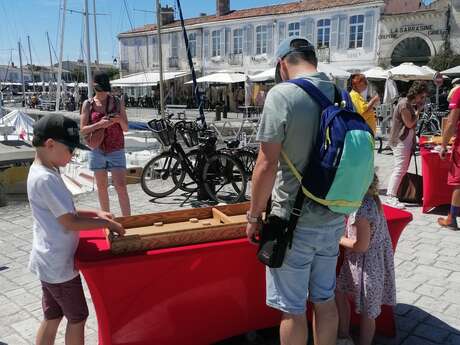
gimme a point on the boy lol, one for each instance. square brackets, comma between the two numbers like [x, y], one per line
[56, 227]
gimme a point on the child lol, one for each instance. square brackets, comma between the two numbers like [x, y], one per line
[56, 227]
[367, 273]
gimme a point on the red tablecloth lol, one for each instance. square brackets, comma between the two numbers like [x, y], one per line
[436, 191]
[191, 295]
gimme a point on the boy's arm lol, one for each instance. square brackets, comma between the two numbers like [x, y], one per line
[94, 213]
[363, 237]
[75, 222]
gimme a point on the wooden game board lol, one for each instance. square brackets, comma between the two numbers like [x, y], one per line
[177, 228]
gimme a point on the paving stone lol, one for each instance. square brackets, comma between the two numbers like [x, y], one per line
[431, 304]
[455, 277]
[453, 310]
[27, 328]
[430, 291]
[407, 297]
[433, 272]
[14, 339]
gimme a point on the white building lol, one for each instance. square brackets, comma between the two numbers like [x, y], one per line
[344, 32]
[411, 32]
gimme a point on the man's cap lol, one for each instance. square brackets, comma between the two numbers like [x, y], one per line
[59, 128]
[288, 46]
[101, 82]
[456, 81]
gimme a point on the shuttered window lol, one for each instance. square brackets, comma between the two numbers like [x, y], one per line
[215, 43]
[324, 33]
[261, 39]
[238, 41]
[192, 44]
[294, 29]
[356, 31]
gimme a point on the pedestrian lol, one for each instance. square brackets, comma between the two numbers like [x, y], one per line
[358, 93]
[453, 179]
[402, 136]
[290, 122]
[367, 274]
[55, 229]
[105, 115]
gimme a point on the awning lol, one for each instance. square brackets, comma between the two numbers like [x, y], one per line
[452, 71]
[146, 79]
[376, 73]
[409, 71]
[221, 78]
[330, 70]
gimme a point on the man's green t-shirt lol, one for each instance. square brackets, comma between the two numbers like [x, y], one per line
[291, 117]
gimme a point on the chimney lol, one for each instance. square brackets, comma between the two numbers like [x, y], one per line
[222, 7]
[167, 15]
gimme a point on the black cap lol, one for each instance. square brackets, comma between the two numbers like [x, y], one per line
[102, 82]
[59, 128]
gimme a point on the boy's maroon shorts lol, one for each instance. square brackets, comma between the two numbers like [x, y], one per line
[453, 178]
[64, 299]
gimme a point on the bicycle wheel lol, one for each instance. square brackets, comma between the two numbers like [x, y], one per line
[224, 178]
[188, 184]
[161, 175]
[248, 158]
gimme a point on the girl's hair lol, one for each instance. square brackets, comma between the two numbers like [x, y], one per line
[417, 88]
[374, 192]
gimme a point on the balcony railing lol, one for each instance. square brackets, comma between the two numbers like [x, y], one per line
[323, 54]
[235, 59]
[174, 61]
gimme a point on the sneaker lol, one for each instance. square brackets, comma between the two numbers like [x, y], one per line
[394, 202]
[345, 341]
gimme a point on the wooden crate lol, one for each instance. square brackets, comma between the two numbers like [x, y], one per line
[178, 228]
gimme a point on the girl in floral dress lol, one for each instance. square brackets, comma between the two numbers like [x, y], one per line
[367, 274]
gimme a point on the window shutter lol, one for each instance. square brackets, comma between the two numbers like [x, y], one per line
[222, 42]
[368, 31]
[206, 43]
[270, 39]
[228, 41]
[334, 31]
[310, 31]
[199, 40]
[281, 31]
[303, 28]
[154, 41]
[248, 40]
[343, 38]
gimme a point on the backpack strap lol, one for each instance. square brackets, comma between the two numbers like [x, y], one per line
[313, 91]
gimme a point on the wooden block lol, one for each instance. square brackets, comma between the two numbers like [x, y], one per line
[193, 220]
[158, 224]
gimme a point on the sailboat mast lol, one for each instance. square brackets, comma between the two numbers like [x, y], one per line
[88, 57]
[95, 32]
[31, 64]
[22, 76]
[160, 55]
[61, 52]
[51, 56]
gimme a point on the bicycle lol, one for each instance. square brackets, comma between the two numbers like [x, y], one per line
[428, 124]
[220, 175]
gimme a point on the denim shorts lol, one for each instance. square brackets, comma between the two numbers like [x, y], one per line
[308, 270]
[99, 160]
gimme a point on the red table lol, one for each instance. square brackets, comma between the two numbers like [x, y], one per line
[191, 295]
[436, 191]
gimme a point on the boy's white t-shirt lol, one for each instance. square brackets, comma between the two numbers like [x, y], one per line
[53, 247]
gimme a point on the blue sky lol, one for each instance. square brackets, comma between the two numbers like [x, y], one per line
[21, 18]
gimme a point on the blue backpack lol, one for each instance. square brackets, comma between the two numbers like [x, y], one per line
[341, 165]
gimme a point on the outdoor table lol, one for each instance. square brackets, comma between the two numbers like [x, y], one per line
[190, 295]
[436, 191]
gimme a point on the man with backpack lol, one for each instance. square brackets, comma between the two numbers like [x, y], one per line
[288, 133]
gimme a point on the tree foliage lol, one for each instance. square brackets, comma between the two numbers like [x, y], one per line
[445, 59]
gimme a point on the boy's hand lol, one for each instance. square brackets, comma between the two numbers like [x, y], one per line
[116, 227]
[104, 215]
